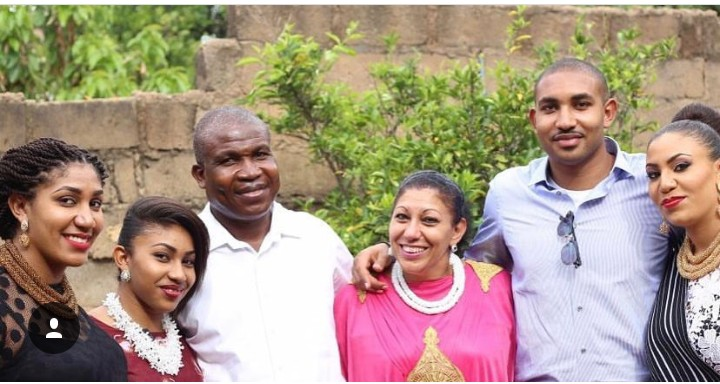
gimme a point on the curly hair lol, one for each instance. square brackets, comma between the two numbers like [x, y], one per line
[24, 168]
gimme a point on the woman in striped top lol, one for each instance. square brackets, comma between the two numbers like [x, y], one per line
[683, 165]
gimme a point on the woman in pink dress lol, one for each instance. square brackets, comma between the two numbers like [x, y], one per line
[162, 253]
[441, 319]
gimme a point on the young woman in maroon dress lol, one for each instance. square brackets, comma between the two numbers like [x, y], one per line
[161, 254]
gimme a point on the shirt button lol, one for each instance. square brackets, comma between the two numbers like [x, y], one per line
[583, 350]
[558, 193]
[579, 309]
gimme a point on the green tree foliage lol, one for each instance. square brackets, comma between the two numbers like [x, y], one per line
[79, 52]
[413, 119]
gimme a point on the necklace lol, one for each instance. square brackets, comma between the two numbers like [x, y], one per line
[28, 279]
[426, 306]
[164, 355]
[694, 266]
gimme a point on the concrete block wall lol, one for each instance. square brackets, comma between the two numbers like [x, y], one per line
[443, 33]
[146, 139]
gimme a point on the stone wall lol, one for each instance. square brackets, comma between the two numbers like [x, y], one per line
[446, 33]
[146, 139]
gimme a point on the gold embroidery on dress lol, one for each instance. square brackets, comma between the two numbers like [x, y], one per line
[362, 294]
[433, 364]
[485, 272]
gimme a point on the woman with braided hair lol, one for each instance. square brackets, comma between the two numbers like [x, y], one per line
[51, 196]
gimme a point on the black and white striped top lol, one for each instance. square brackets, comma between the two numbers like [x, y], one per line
[670, 355]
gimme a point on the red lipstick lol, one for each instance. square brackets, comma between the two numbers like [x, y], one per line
[672, 202]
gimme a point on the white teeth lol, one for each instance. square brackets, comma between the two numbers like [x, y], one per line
[77, 239]
[413, 249]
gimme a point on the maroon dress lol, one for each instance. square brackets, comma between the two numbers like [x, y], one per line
[140, 369]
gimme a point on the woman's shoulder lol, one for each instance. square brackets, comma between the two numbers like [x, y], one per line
[349, 294]
[488, 273]
[352, 295]
[100, 315]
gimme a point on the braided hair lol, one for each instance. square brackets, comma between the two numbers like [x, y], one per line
[24, 168]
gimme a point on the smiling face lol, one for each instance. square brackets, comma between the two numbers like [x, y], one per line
[683, 180]
[161, 264]
[421, 233]
[570, 117]
[65, 217]
[239, 173]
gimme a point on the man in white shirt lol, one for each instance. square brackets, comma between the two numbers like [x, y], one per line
[264, 310]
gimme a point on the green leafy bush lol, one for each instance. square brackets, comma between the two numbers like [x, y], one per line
[411, 120]
[79, 52]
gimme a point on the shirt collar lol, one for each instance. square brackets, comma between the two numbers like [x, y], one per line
[281, 225]
[540, 172]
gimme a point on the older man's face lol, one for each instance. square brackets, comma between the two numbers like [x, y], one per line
[239, 172]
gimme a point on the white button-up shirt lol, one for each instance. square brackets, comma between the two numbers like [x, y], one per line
[268, 315]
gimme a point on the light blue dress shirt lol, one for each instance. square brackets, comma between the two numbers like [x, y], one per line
[588, 323]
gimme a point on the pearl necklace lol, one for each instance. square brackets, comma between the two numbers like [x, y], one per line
[164, 355]
[426, 306]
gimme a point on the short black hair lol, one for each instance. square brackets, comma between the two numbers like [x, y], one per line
[220, 118]
[574, 64]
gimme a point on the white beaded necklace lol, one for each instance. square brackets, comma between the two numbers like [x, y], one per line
[164, 355]
[426, 306]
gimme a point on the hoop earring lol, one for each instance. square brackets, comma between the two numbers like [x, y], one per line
[24, 238]
[125, 275]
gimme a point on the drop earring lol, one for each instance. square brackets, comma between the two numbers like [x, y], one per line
[24, 238]
[664, 228]
[125, 275]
